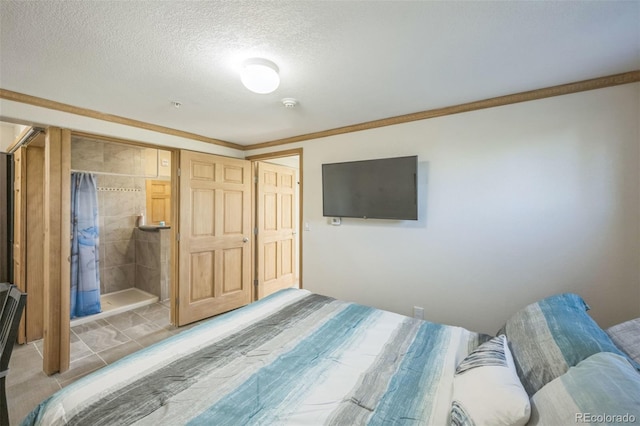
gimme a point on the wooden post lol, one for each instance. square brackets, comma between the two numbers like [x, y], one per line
[57, 250]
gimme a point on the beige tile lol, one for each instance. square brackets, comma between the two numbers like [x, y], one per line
[103, 338]
[141, 330]
[118, 278]
[126, 320]
[148, 253]
[83, 328]
[154, 337]
[79, 349]
[118, 228]
[152, 310]
[121, 252]
[39, 344]
[86, 154]
[148, 279]
[117, 352]
[147, 236]
[24, 396]
[80, 368]
[25, 363]
[163, 321]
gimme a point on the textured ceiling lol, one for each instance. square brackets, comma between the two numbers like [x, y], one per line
[345, 62]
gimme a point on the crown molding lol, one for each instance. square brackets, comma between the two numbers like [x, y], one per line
[58, 106]
[547, 92]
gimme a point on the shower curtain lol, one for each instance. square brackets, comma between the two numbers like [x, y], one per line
[85, 271]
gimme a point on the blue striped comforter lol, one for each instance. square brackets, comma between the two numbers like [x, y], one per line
[292, 358]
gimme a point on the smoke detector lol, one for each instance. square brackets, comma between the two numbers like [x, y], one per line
[289, 102]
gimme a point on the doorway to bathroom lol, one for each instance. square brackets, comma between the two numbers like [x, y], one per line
[132, 186]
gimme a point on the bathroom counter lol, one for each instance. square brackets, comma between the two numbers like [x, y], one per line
[153, 228]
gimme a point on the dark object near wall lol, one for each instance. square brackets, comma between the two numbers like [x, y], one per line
[9, 322]
[6, 217]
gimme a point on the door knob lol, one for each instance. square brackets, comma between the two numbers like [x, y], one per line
[245, 239]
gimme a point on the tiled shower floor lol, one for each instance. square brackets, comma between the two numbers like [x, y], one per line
[118, 302]
[94, 344]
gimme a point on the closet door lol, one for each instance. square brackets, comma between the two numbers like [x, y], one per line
[275, 219]
[214, 235]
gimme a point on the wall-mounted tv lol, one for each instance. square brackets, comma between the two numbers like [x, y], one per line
[385, 188]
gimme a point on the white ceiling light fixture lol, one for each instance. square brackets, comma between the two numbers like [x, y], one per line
[260, 75]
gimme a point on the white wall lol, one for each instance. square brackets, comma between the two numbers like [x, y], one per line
[516, 203]
[36, 116]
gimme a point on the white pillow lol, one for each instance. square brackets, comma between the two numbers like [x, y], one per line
[487, 390]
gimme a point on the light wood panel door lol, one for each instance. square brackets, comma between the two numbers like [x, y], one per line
[275, 219]
[34, 236]
[215, 230]
[28, 237]
[158, 201]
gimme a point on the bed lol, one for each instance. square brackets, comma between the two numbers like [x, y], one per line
[304, 359]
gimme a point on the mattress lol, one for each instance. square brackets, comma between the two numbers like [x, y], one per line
[292, 358]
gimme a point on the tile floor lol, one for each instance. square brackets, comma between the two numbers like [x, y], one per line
[93, 345]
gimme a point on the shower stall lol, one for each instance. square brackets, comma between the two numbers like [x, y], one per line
[132, 262]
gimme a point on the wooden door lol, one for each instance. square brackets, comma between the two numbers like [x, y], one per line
[275, 219]
[158, 202]
[34, 236]
[214, 235]
[28, 235]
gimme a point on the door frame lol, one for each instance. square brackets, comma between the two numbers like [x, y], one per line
[57, 345]
[270, 156]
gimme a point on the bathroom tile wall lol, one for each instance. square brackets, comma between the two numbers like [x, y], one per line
[120, 201]
[152, 262]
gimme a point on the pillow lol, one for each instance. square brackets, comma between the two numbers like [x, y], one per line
[548, 337]
[626, 336]
[604, 388]
[486, 389]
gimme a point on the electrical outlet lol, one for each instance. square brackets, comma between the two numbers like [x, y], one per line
[418, 312]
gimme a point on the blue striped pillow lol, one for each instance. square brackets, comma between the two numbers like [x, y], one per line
[549, 336]
[603, 388]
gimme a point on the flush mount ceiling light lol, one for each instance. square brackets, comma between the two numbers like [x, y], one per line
[260, 75]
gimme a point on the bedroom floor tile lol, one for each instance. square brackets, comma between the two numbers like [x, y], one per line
[32, 392]
[79, 349]
[113, 354]
[154, 337]
[93, 345]
[103, 338]
[126, 320]
[141, 330]
[80, 368]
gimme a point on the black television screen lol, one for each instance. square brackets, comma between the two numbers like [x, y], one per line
[377, 189]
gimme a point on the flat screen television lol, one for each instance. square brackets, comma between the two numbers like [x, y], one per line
[372, 189]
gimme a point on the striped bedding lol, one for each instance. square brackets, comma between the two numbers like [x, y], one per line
[292, 358]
